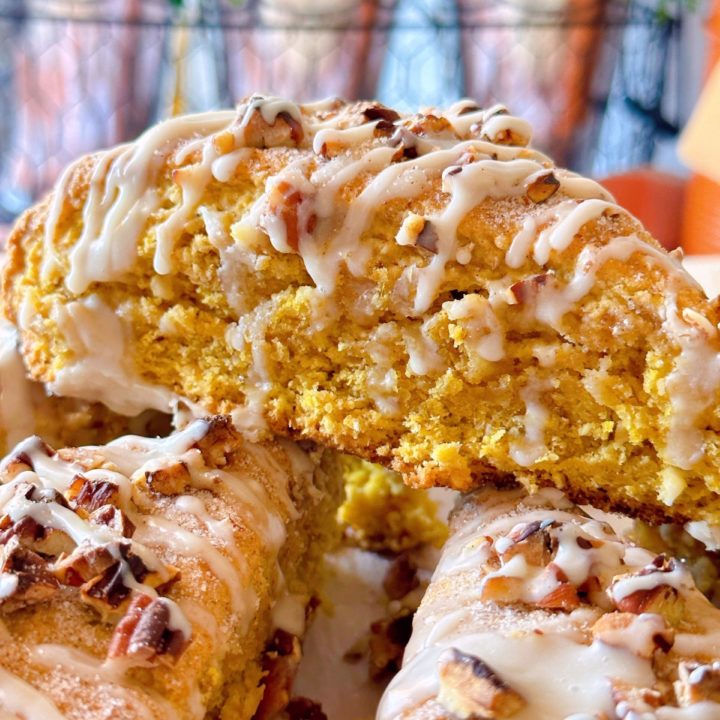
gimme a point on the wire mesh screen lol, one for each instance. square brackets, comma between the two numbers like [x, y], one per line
[76, 75]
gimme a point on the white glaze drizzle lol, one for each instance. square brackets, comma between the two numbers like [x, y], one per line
[569, 674]
[25, 701]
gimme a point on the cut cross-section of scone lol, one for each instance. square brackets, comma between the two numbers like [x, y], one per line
[162, 578]
[421, 290]
[539, 611]
[27, 408]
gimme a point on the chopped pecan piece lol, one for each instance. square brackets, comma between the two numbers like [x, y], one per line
[35, 537]
[83, 564]
[301, 708]
[145, 633]
[92, 494]
[526, 291]
[564, 596]
[388, 638]
[219, 442]
[543, 187]
[380, 112]
[22, 460]
[114, 518]
[533, 541]
[660, 599]
[284, 131]
[172, 479]
[24, 577]
[401, 577]
[407, 143]
[641, 634]
[471, 689]
[428, 238]
[502, 589]
[697, 682]
[430, 124]
[281, 661]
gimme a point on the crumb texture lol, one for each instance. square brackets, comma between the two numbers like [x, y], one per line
[424, 291]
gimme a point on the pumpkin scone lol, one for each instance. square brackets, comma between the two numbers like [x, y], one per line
[538, 611]
[424, 291]
[159, 578]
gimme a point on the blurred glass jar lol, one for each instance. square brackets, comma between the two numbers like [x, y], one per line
[83, 74]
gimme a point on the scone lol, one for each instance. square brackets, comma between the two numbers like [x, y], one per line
[26, 408]
[537, 611]
[164, 578]
[420, 290]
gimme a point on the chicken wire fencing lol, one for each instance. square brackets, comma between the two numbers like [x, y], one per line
[77, 75]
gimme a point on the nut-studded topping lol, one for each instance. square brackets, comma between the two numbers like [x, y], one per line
[289, 204]
[169, 480]
[543, 187]
[526, 291]
[430, 125]
[281, 661]
[35, 537]
[284, 131]
[641, 634]
[470, 689]
[24, 577]
[407, 143]
[219, 441]
[23, 459]
[697, 683]
[531, 540]
[380, 112]
[388, 638]
[92, 494]
[661, 599]
[114, 518]
[145, 633]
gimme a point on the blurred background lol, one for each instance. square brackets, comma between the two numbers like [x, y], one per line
[608, 84]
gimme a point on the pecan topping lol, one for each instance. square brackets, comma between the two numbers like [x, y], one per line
[24, 577]
[470, 689]
[281, 661]
[643, 635]
[92, 494]
[145, 633]
[526, 291]
[697, 683]
[284, 131]
[170, 480]
[285, 201]
[400, 578]
[114, 518]
[380, 112]
[388, 638]
[532, 541]
[407, 142]
[543, 187]
[428, 238]
[430, 124]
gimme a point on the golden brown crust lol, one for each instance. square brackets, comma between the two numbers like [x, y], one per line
[594, 369]
[211, 552]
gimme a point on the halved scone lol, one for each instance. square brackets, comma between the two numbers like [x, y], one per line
[420, 290]
[539, 611]
[165, 578]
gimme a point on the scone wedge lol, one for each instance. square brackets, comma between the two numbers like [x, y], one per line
[539, 611]
[423, 290]
[162, 578]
